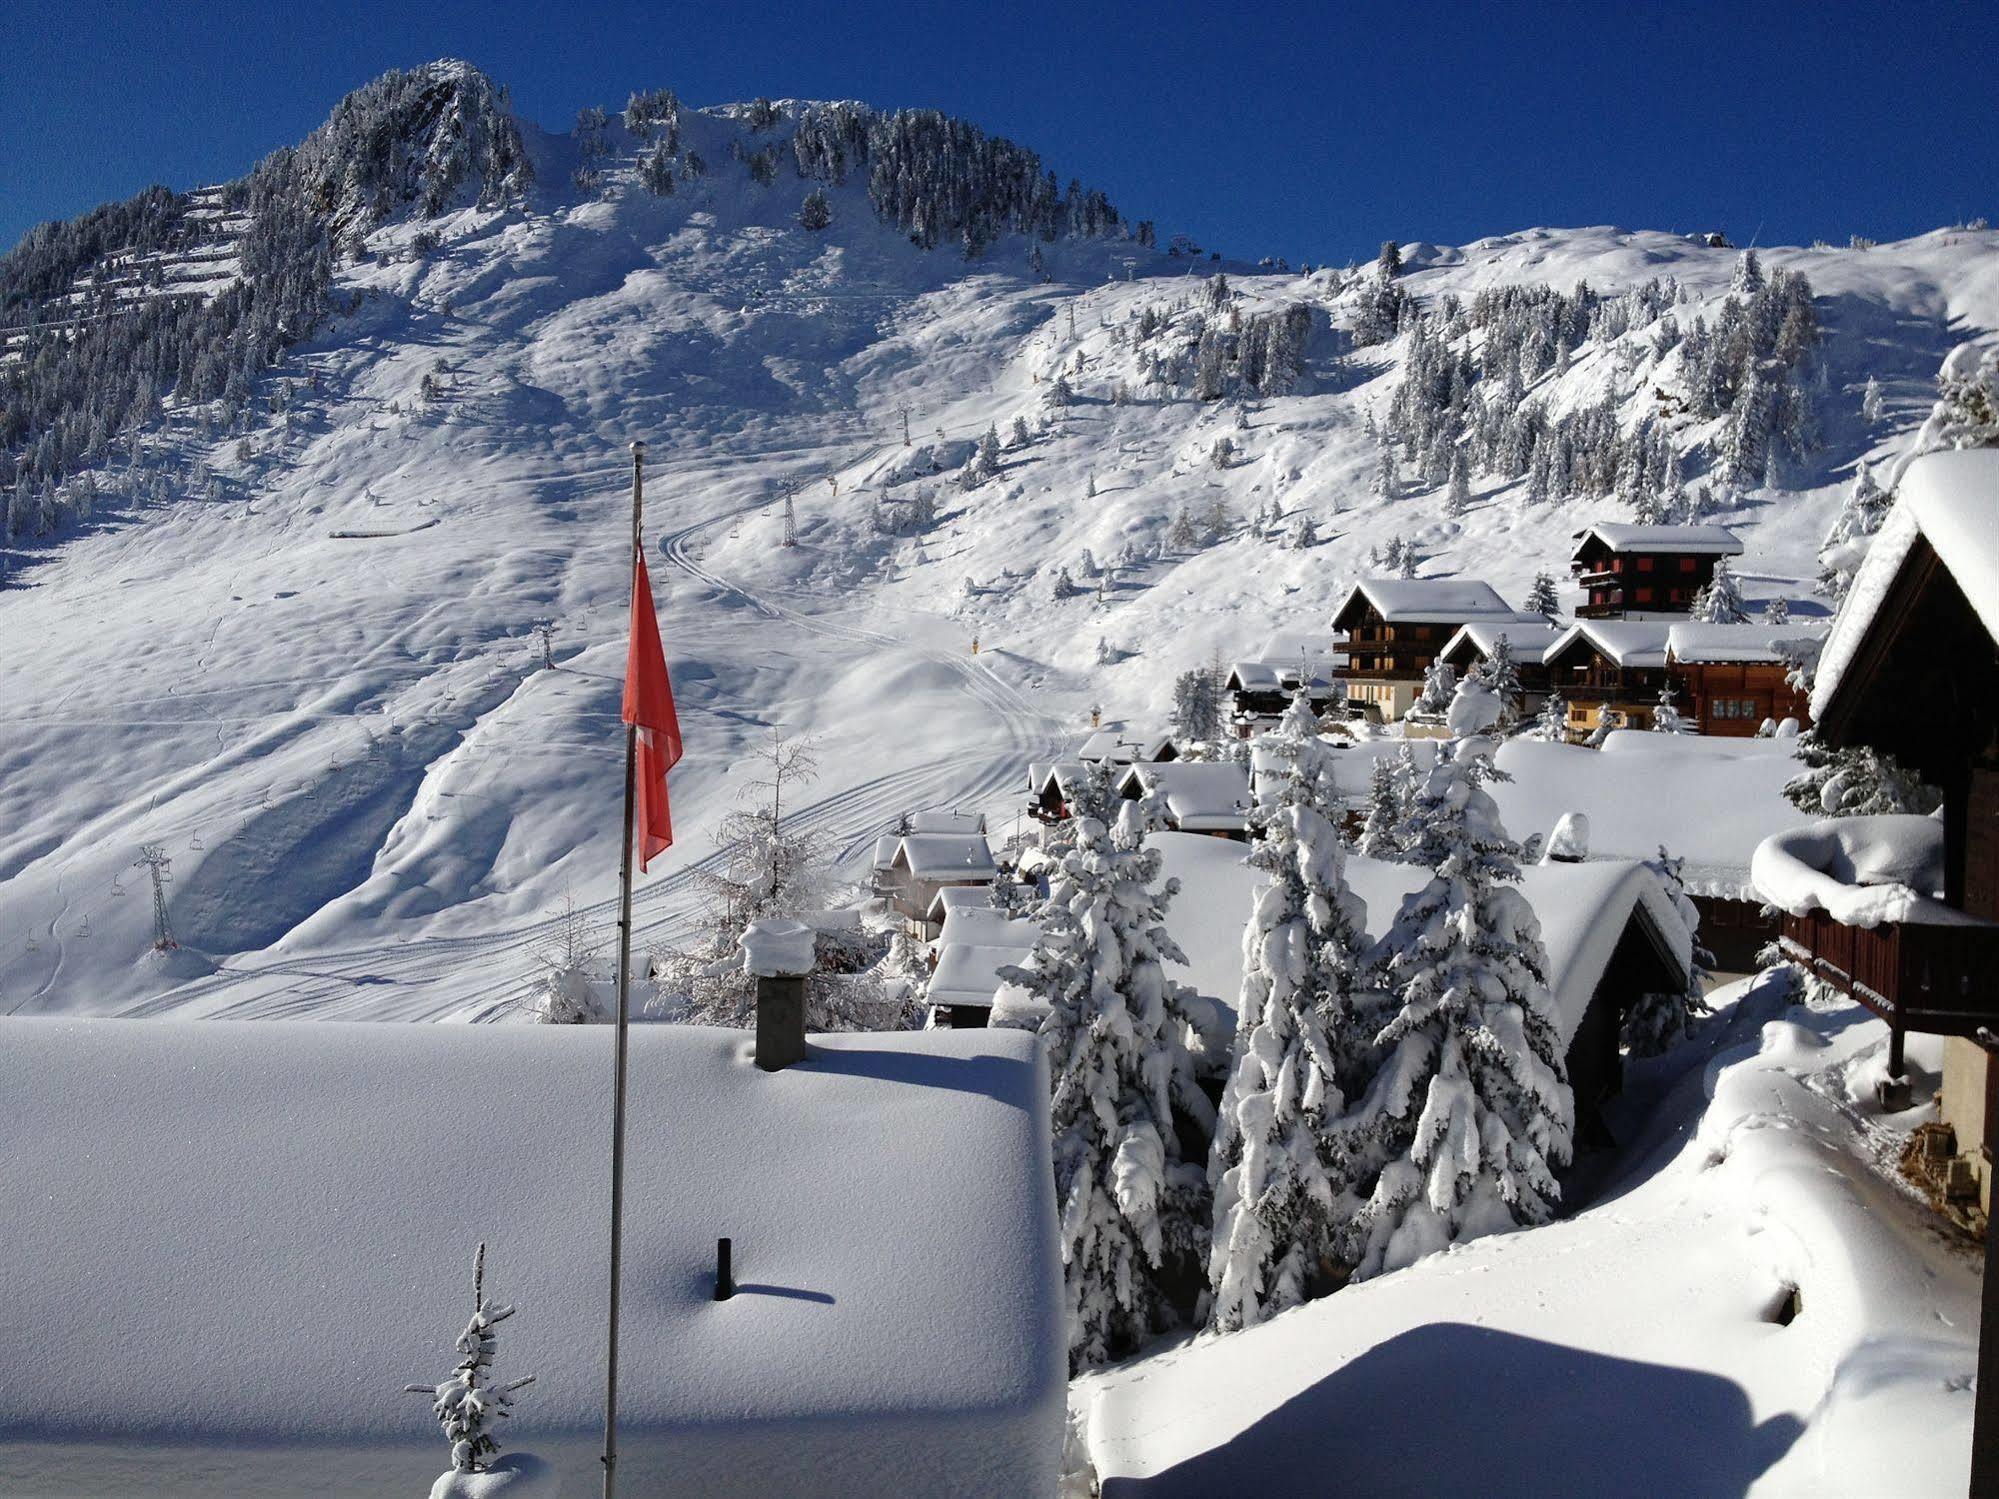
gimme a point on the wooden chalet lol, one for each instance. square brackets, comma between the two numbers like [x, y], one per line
[1052, 787]
[1631, 570]
[1609, 672]
[1259, 692]
[1121, 746]
[1731, 679]
[1396, 627]
[1210, 797]
[1528, 640]
[1912, 669]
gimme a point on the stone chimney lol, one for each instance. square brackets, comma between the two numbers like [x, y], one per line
[778, 954]
[1569, 843]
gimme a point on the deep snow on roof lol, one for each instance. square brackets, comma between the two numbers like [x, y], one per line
[1861, 871]
[1627, 642]
[1951, 500]
[262, 1193]
[1707, 801]
[1751, 641]
[1200, 795]
[947, 856]
[1530, 638]
[1622, 537]
[968, 973]
[1429, 600]
[946, 820]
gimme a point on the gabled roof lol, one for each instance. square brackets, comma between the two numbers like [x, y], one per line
[1752, 641]
[986, 926]
[1627, 642]
[1948, 501]
[1425, 601]
[947, 856]
[974, 898]
[1529, 639]
[1201, 796]
[1276, 676]
[1620, 537]
[1066, 777]
[885, 847]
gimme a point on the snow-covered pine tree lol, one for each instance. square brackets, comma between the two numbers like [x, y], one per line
[1183, 537]
[1381, 826]
[1457, 494]
[1406, 567]
[1860, 517]
[1720, 603]
[1305, 534]
[1657, 1021]
[1748, 278]
[1777, 612]
[1870, 402]
[1440, 681]
[1468, 1112]
[468, 1405]
[568, 991]
[1197, 707]
[815, 213]
[1666, 716]
[1384, 473]
[1542, 598]
[1553, 723]
[1133, 1211]
[1855, 781]
[1298, 1046]
[1501, 674]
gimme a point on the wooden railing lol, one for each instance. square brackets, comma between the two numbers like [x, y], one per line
[1940, 979]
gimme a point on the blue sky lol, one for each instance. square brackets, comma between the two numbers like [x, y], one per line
[1299, 130]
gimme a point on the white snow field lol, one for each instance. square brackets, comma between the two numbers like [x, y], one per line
[1651, 1344]
[321, 693]
[228, 1248]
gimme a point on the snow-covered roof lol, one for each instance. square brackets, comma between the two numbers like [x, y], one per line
[1620, 537]
[1529, 638]
[1066, 776]
[1950, 500]
[959, 897]
[1627, 642]
[259, 1192]
[985, 926]
[1201, 796]
[1276, 676]
[1584, 909]
[947, 856]
[1428, 601]
[1861, 871]
[1749, 642]
[885, 847]
[946, 820]
[1123, 746]
[968, 973]
[1708, 801]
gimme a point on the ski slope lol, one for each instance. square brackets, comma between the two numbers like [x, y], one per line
[321, 692]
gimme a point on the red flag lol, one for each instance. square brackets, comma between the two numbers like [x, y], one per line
[649, 706]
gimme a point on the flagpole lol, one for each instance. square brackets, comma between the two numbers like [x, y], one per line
[624, 1016]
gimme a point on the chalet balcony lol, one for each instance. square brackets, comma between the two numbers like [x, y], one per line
[1858, 915]
[1943, 980]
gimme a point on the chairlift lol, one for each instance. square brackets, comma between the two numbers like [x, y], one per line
[117, 888]
[197, 845]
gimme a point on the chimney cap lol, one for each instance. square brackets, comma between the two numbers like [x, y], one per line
[777, 947]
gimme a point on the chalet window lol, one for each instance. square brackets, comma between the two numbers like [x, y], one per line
[1686, 564]
[1644, 564]
[1644, 595]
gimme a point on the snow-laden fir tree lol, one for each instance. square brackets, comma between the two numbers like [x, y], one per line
[469, 1404]
[1440, 681]
[1720, 603]
[1468, 1113]
[570, 989]
[1870, 402]
[1197, 706]
[1748, 278]
[1457, 494]
[1777, 612]
[1298, 1046]
[1501, 675]
[1860, 517]
[1966, 414]
[1542, 598]
[1553, 723]
[1406, 568]
[1381, 824]
[815, 213]
[1133, 1210]
[1183, 537]
[1305, 534]
[1384, 473]
[1856, 781]
[1666, 715]
[1657, 1021]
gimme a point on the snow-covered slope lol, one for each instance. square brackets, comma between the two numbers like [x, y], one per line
[311, 674]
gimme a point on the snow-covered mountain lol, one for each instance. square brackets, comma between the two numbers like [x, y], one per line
[280, 619]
